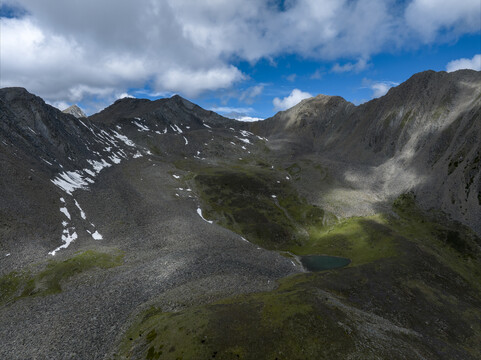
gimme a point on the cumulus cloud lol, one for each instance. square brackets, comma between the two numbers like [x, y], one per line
[379, 88]
[358, 66]
[429, 17]
[70, 50]
[248, 118]
[125, 95]
[474, 63]
[295, 97]
[192, 82]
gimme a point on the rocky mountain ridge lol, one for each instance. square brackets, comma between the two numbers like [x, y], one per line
[422, 136]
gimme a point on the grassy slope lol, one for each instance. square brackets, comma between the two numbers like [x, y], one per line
[411, 290]
[16, 285]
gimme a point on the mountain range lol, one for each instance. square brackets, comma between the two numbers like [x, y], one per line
[161, 230]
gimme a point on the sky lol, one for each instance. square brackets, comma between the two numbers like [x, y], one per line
[244, 59]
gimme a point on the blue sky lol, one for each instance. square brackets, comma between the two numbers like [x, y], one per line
[241, 58]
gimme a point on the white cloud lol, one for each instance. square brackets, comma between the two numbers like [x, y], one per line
[248, 118]
[125, 95]
[429, 17]
[70, 51]
[251, 93]
[474, 63]
[294, 98]
[191, 82]
[291, 77]
[227, 109]
[317, 75]
[61, 105]
[358, 66]
[379, 88]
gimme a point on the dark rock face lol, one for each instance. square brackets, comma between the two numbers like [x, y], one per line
[423, 136]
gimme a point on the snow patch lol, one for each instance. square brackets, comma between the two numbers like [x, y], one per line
[247, 141]
[67, 238]
[199, 211]
[176, 128]
[115, 159]
[65, 211]
[186, 142]
[96, 236]
[98, 166]
[140, 126]
[70, 181]
[137, 155]
[176, 176]
[207, 126]
[124, 139]
[90, 172]
[246, 133]
[82, 213]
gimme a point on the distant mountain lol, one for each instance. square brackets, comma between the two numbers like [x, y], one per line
[75, 111]
[160, 229]
[423, 136]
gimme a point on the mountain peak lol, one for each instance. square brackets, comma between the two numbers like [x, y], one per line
[75, 111]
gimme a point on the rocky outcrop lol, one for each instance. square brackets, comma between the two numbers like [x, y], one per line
[75, 111]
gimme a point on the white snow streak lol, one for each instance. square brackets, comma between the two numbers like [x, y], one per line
[115, 159]
[140, 126]
[199, 211]
[70, 181]
[245, 133]
[186, 142]
[176, 129]
[65, 211]
[98, 166]
[82, 213]
[67, 238]
[97, 236]
[124, 139]
[46, 161]
[247, 141]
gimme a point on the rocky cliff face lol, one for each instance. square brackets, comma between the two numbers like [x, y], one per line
[422, 136]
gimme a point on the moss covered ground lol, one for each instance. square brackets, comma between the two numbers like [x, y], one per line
[49, 280]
